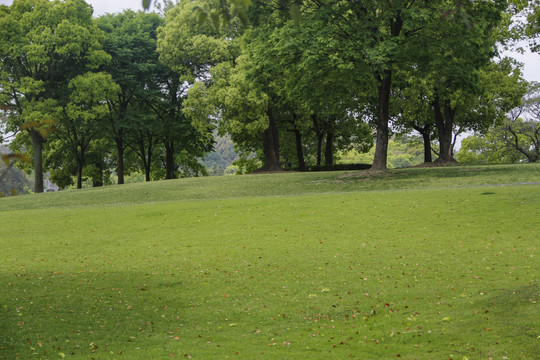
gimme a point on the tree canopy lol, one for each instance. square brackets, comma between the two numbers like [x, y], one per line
[43, 45]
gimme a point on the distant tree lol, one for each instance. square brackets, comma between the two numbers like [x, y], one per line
[516, 139]
[405, 151]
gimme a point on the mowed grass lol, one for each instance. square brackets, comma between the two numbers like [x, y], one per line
[445, 269]
[293, 184]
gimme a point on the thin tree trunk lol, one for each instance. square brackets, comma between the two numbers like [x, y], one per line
[319, 131]
[37, 144]
[319, 148]
[79, 173]
[299, 151]
[147, 173]
[79, 157]
[427, 147]
[120, 165]
[148, 163]
[329, 149]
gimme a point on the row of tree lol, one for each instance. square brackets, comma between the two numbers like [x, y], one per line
[290, 81]
[321, 79]
[89, 96]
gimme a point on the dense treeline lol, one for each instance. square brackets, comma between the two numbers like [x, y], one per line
[293, 83]
[89, 97]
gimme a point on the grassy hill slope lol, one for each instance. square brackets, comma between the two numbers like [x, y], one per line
[447, 269]
[280, 184]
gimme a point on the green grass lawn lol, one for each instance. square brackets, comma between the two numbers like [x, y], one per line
[437, 264]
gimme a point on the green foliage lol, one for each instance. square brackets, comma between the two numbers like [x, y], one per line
[401, 154]
[533, 26]
[303, 86]
[43, 46]
[238, 104]
[479, 149]
[190, 46]
[246, 165]
[78, 131]
[515, 139]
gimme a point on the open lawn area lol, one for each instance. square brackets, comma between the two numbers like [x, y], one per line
[423, 263]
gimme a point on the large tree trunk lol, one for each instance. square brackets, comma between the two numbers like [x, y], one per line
[319, 148]
[427, 147]
[271, 145]
[445, 123]
[37, 144]
[299, 150]
[147, 172]
[329, 149]
[79, 173]
[383, 117]
[80, 163]
[170, 166]
[146, 158]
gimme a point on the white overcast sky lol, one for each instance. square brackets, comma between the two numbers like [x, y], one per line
[531, 61]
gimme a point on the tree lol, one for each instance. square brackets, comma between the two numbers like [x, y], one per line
[515, 139]
[320, 92]
[462, 46]
[451, 86]
[376, 33]
[298, 89]
[189, 46]
[173, 130]
[415, 113]
[231, 103]
[131, 42]
[192, 49]
[80, 123]
[43, 45]
[522, 128]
